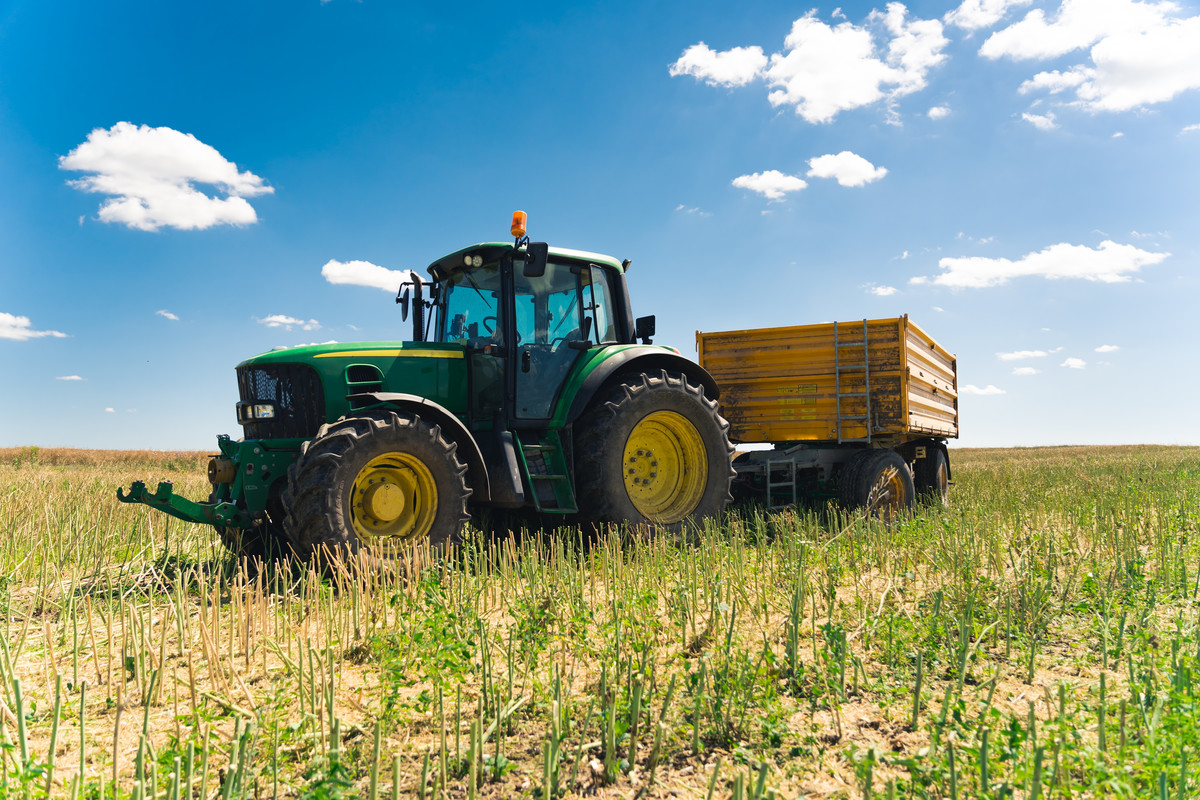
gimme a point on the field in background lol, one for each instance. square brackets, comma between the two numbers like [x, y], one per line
[1039, 638]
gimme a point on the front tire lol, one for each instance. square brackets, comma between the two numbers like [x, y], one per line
[373, 481]
[654, 451]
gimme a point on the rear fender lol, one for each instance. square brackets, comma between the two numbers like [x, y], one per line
[451, 426]
[637, 360]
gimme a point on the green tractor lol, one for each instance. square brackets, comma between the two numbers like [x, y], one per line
[524, 387]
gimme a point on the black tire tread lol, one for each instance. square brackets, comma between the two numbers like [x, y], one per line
[313, 521]
[596, 445]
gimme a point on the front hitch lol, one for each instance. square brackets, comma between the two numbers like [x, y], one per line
[221, 514]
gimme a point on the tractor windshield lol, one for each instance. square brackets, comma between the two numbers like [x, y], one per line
[568, 303]
[470, 305]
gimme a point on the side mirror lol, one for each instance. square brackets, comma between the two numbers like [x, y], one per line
[643, 328]
[402, 299]
[536, 255]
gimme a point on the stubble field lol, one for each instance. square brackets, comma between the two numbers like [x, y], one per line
[1037, 639]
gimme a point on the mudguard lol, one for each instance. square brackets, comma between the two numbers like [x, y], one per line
[638, 359]
[451, 425]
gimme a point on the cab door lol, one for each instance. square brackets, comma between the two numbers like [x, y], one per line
[554, 315]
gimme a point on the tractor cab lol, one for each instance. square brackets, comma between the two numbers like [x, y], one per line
[525, 314]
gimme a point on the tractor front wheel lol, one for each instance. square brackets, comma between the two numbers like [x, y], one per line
[373, 481]
[654, 451]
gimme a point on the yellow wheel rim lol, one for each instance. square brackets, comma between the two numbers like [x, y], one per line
[393, 497]
[889, 494]
[665, 466]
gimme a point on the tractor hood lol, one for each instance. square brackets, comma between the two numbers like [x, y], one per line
[289, 393]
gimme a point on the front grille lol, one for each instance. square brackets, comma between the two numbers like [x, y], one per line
[294, 390]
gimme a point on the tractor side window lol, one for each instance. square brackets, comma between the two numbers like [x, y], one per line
[597, 306]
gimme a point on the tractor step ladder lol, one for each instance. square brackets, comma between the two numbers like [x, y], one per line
[854, 367]
[786, 485]
[545, 466]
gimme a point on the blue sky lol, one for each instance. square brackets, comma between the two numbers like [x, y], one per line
[186, 185]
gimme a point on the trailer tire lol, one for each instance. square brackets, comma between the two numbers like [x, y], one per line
[654, 451]
[878, 482]
[369, 481]
[931, 476]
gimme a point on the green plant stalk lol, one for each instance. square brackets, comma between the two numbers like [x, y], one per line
[54, 734]
[916, 708]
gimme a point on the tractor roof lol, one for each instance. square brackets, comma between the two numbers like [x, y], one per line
[493, 250]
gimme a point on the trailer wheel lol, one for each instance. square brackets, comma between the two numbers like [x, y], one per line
[653, 451]
[372, 481]
[879, 482]
[931, 475]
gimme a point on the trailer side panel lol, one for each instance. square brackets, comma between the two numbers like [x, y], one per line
[809, 383]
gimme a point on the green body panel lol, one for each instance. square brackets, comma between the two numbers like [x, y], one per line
[428, 369]
[590, 361]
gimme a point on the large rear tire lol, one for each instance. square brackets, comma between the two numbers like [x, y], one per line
[374, 481]
[878, 482]
[653, 451]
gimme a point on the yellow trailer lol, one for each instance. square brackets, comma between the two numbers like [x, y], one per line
[835, 399]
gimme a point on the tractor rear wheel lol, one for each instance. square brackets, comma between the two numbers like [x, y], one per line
[654, 451]
[878, 482]
[931, 475]
[374, 481]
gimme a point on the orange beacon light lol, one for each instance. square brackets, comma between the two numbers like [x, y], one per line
[518, 224]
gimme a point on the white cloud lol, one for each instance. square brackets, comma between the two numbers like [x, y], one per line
[110, 411]
[286, 322]
[151, 173]
[849, 168]
[771, 184]
[938, 112]
[1108, 263]
[1141, 53]
[1107, 348]
[1077, 24]
[68, 378]
[938, 309]
[1021, 355]
[824, 69]
[1191, 128]
[984, 391]
[162, 312]
[735, 67]
[883, 291]
[975, 14]
[1043, 122]
[1025, 371]
[693, 211]
[1074, 363]
[18, 329]
[364, 273]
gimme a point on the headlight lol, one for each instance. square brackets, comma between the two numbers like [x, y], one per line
[251, 412]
